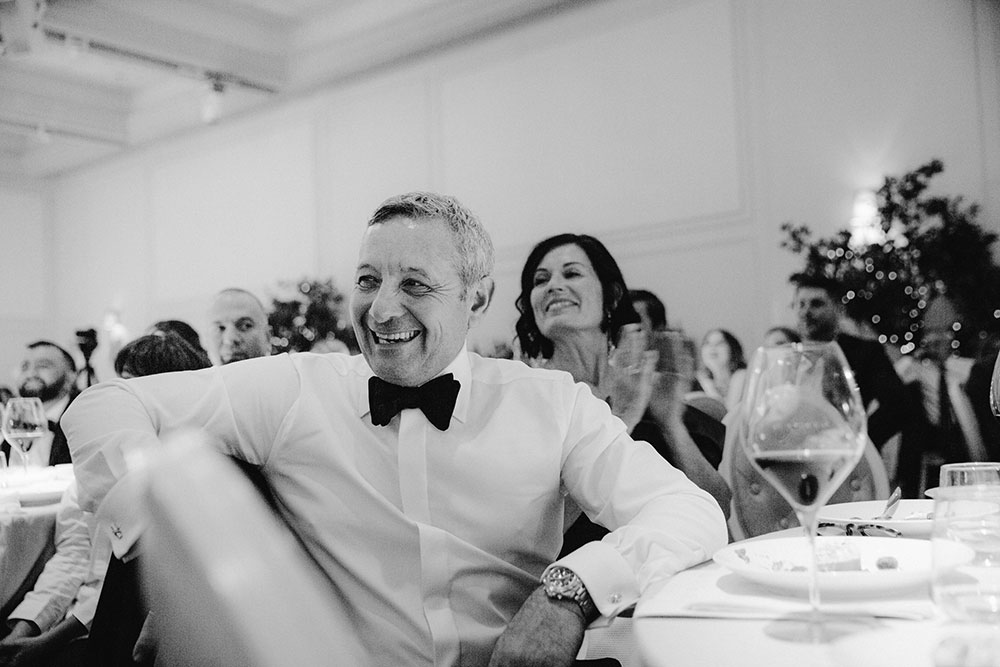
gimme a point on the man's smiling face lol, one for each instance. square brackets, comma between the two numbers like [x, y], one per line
[409, 308]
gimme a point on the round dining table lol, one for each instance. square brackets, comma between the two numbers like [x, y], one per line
[708, 615]
[28, 507]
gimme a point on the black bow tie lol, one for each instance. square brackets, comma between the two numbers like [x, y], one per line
[436, 398]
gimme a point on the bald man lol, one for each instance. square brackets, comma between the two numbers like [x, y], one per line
[238, 324]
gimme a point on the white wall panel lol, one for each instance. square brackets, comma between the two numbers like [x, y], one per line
[624, 124]
[26, 247]
[373, 144]
[239, 212]
[102, 254]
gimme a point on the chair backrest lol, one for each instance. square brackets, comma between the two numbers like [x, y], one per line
[710, 405]
[757, 507]
[975, 449]
[230, 584]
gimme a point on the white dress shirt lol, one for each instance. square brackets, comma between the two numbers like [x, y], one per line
[64, 572]
[434, 538]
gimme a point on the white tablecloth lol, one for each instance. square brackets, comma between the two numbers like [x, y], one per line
[27, 533]
[874, 642]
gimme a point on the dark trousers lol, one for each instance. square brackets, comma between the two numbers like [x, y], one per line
[121, 611]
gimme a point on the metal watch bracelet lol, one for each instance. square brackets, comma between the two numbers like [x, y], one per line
[562, 583]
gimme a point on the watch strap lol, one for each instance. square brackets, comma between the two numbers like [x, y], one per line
[562, 583]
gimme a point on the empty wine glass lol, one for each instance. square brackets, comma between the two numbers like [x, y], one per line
[804, 429]
[24, 422]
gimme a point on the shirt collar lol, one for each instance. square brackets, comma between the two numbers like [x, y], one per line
[460, 367]
[54, 410]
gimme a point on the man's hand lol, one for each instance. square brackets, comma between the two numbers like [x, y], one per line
[22, 652]
[544, 632]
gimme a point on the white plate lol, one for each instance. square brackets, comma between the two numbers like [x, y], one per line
[41, 493]
[931, 492]
[911, 517]
[784, 563]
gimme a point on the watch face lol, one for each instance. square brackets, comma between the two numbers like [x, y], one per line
[562, 583]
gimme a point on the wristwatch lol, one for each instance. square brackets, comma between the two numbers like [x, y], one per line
[561, 583]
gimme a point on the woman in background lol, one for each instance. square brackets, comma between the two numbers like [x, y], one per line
[160, 352]
[576, 316]
[185, 331]
[723, 367]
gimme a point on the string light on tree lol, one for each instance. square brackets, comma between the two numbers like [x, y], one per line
[905, 250]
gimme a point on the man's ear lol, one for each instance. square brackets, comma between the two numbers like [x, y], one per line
[481, 296]
[72, 377]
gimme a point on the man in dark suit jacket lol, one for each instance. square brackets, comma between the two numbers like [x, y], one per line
[48, 372]
[818, 310]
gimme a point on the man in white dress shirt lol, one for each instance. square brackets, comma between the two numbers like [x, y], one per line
[436, 514]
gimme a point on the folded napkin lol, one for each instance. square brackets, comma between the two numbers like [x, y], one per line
[710, 590]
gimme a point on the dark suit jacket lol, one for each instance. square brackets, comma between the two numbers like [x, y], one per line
[877, 380]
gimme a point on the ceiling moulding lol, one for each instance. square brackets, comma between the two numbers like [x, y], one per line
[64, 107]
[199, 39]
[342, 45]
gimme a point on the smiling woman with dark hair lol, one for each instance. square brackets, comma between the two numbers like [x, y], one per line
[616, 310]
[575, 316]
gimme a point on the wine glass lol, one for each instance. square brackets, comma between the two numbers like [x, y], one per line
[804, 428]
[995, 388]
[24, 422]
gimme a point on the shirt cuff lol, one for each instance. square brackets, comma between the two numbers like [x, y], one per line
[122, 514]
[608, 577]
[42, 613]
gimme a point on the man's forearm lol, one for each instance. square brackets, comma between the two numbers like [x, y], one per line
[23, 628]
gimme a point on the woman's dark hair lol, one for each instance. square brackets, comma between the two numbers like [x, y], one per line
[737, 359]
[160, 352]
[618, 310]
[182, 329]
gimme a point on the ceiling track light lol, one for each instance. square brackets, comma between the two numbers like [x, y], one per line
[79, 44]
[44, 132]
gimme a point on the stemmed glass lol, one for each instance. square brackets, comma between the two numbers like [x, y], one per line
[24, 422]
[995, 388]
[804, 429]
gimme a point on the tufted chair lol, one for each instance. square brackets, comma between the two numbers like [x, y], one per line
[758, 508]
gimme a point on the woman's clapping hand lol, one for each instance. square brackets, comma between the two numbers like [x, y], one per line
[632, 377]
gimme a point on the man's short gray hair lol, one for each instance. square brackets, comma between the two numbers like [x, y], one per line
[473, 246]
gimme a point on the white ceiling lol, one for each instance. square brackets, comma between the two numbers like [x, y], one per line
[84, 79]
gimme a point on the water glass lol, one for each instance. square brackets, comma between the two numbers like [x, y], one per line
[969, 474]
[965, 547]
